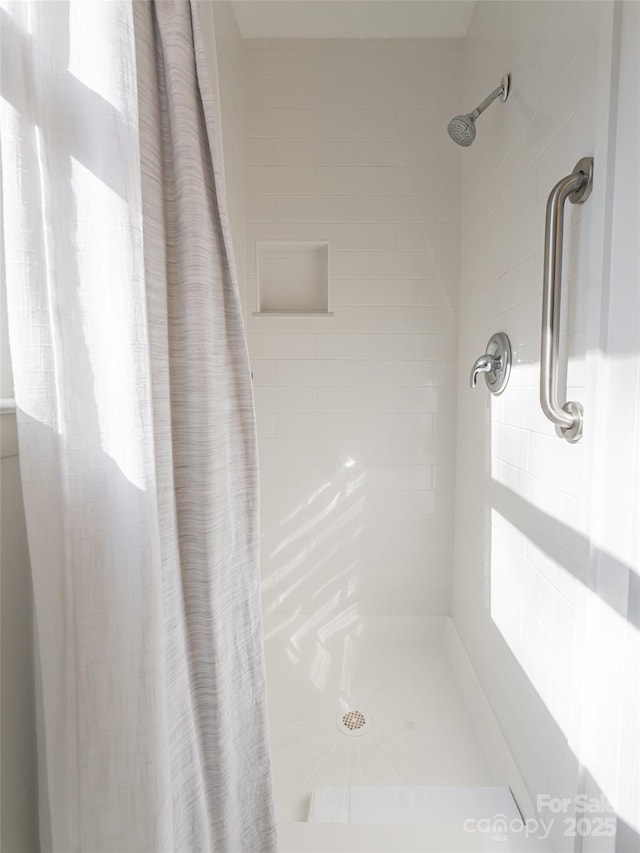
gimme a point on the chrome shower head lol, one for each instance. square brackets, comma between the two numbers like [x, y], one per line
[462, 129]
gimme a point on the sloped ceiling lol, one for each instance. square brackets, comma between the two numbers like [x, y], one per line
[353, 18]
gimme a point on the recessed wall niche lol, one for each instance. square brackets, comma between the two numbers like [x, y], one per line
[293, 276]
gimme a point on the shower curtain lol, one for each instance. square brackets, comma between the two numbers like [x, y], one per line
[136, 429]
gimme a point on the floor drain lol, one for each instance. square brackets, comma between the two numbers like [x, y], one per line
[354, 722]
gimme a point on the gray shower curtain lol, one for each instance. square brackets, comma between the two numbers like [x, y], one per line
[205, 450]
[137, 434]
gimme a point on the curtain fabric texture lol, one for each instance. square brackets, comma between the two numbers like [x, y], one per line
[137, 434]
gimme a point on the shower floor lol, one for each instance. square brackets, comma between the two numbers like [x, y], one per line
[418, 732]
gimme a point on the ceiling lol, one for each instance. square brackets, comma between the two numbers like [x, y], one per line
[353, 18]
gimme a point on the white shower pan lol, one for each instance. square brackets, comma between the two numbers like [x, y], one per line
[426, 723]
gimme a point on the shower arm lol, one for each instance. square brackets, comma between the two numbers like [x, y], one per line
[500, 91]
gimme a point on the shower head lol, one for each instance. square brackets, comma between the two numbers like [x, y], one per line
[462, 129]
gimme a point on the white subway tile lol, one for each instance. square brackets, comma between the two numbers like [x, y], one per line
[260, 208]
[445, 374]
[264, 371]
[273, 345]
[315, 372]
[511, 444]
[526, 236]
[405, 318]
[280, 180]
[259, 152]
[557, 463]
[394, 152]
[511, 289]
[448, 208]
[310, 480]
[268, 476]
[368, 237]
[392, 92]
[418, 123]
[397, 551]
[266, 424]
[282, 512]
[374, 61]
[358, 122]
[276, 123]
[427, 292]
[344, 265]
[281, 451]
[363, 292]
[416, 400]
[316, 93]
[397, 265]
[259, 92]
[395, 208]
[443, 479]
[313, 152]
[355, 400]
[418, 63]
[367, 346]
[316, 425]
[301, 208]
[272, 398]
[411, 238]
[334, 59]
[395, 425]
[260, 62]
[356, 452]
[399, 373]
[437, 452]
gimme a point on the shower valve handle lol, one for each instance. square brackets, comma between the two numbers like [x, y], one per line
[495, 364]
[484, 364]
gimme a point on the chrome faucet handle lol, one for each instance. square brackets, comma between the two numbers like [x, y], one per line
[484, 364]
[495, 364]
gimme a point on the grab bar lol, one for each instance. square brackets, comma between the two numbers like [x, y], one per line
[7, 406]
[577, 188]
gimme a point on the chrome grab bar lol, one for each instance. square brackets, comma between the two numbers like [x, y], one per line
[576, 187]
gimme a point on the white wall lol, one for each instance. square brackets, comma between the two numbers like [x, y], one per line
[609, 746]
[19, 801]
[524, 548]
[18, 778]
[346, 142]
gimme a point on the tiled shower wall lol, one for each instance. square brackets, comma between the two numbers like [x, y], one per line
[523, 495]
[346, 142]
